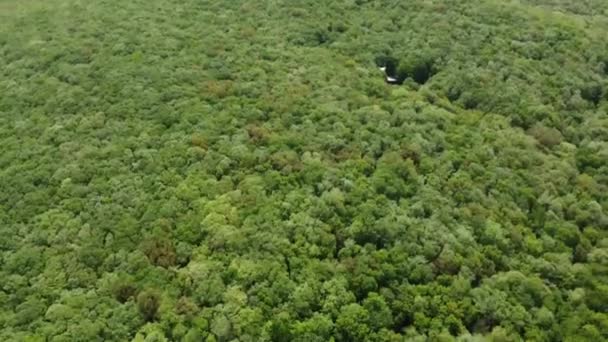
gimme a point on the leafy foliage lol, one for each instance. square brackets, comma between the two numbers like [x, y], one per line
[238, 170]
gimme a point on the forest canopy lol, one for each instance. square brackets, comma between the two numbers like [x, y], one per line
[237, 170]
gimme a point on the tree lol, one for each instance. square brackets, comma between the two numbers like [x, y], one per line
[148, 302]
[352, 323]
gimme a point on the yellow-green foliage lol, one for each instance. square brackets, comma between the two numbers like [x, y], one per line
[231, 170]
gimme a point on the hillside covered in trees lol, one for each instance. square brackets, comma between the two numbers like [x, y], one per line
[231, 170]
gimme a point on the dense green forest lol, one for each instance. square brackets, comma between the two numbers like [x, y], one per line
[231, 170]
